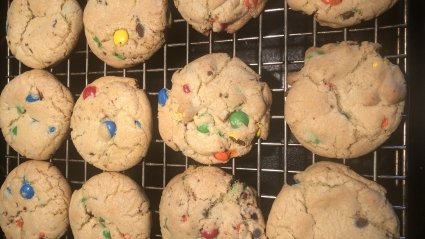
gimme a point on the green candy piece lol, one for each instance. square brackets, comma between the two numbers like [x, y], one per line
[203, 128]
[14, 130]
[165, 224]
[321, 52]
[20, 109]
[98, 42]
[238, 118]
[313, 138]
[119, 56]
[84, 200]
[106, 234]
[102, 221]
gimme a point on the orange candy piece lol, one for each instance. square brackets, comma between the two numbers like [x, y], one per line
[384, 123]
[222, 156]
[250, 3]
[19, 223]
[332, 2]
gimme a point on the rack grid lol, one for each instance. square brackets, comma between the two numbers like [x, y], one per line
[273, 45]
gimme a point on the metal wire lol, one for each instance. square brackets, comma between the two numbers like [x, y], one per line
[287, 156]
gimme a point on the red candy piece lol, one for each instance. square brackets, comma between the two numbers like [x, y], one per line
[224, 26]
[332, 2]
[222, 156]
[184, 218]
[19, 222]
[125, 236]
[250, 3]
[89, 91]
[209, 234]
[384, 123]
[186, 88]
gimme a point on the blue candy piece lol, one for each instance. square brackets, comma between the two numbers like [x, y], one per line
[52, 129]
[111, 126]
[27, 191]
[32, 98]
[163, 96]
[138, 124]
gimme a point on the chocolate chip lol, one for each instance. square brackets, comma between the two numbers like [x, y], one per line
[140, 30]
[238, 141]
[209, 73]
[257, 233]
[347, 15]
[54, 23]
[254, 216]
[361, 222]
[244, 195]
[205, 213]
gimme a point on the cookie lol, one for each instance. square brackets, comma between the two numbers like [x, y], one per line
[341, 13]
[346, 101]
[35, 110]
[215, 108]
[206, 202]
[112, 123]
[34, 202]
[110, 205]
[125, 33]
[41, 33]
[332, 201]
[219, 15]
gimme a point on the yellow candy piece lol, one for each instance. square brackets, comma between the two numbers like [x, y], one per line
[259, 129]
[180, 116]
[233, 135]
[375, 64]
[120, 37]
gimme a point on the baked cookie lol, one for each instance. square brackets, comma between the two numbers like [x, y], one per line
[219, 15]
[125, 33]
[332, 201]
[35, 110]
[206, 202]
[346, 101]
[34, 202]
[40, 33]
[112, 123]
[214, 110]
[341, 13]
[110, 205]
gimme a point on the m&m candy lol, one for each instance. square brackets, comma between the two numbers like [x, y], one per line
[238, 118]
[111, 126]
[27, 191]
[162, 96]
[89, 91]
[120, 37]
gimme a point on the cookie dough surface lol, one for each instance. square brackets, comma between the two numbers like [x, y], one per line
[219, 15]
[125, 33]
[35, 111]
[332, 201]
[34, 202]
[112, 123]
[205, 202]
[110, 205]
[215, 108]
[40, 33]
[341, 13]
[346, 101]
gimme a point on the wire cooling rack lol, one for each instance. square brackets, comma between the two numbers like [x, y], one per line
[273, 45]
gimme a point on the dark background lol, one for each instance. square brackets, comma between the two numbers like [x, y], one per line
[415, 107]
[416, 143]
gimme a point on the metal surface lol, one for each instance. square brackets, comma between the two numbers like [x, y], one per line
[273, 45]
